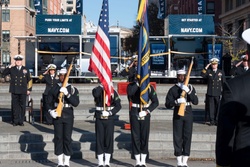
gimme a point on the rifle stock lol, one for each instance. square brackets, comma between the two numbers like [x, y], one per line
[61, 95]
[182, 107]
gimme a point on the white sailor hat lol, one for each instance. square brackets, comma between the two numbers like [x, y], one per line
[51, 67]
[63, 71]
[244, 57]
[18, 57]
[246, 35]
[181, 71]
[214, 61]
[135, 57]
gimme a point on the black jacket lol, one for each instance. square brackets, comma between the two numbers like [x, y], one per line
[97, 93]
[214, 81]
[49, 82]
[233, 130]
[237, 71]
[174, 93]
[20, 80]
[133, 92]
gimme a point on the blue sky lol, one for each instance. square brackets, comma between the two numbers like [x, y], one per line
[124, 11]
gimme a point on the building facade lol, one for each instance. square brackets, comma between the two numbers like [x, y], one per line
[235, 18]
[18, 22]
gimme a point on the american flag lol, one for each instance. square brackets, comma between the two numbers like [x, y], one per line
[100, 57]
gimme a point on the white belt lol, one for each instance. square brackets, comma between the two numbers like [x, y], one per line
[101, 108]
[138, 105]
[64, 105]
[187, 104]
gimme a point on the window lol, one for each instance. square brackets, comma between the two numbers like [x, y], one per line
[230, 29]
[242, 27]
[229, 5]
[69, 1]
[6, 36]
[210, 8]
[239, 2]
[5, 15]
[69, 9]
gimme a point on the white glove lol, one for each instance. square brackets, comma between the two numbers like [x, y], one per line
[64, 91]
[185, 88]
[181, 100]
[53, 113]
[142, 114]
[105, 113]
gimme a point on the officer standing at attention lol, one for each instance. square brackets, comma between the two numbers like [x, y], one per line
[233, 130]
[63, 125]
[140, 121]
[182, 125]
[241, 67]
[20, 87]
[215, 79]
[104, 125]
[50, 78]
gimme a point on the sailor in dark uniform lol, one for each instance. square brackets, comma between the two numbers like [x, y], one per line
[50, 78]
[20, 87]
[182, 125]
[241, 67]
[130, 71]
[63, 126]
[104, 125]
[215, 79]
[140, 121]
[233, 130]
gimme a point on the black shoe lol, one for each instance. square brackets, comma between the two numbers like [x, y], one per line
[143, 165]
[66, 166]
[14, 124]
[137, 165]
[107, 165]
[100, 166]
[59, 166]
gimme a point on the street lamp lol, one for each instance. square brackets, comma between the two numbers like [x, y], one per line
[2, 2]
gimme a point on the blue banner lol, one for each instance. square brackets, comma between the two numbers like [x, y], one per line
[191, 24]
[79, 7]
[217, 51]
[38, 6]
[201, 7]
[158, 62]
[58, 24]
[161, 9]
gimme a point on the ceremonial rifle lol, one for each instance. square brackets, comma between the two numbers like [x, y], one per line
[182, 107]
[61, 95]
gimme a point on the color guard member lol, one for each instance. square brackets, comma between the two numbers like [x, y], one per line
[63, 126]
[104, 125]
[182, 125]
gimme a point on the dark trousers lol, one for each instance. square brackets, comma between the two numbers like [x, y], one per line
[18, 106]
[182, 133]
[213, 105]
[104, 129]
[62, 135]
[140, 134]
[46, 115]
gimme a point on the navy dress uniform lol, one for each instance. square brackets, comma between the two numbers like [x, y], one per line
[182, 125]
[140, 121]
[63, 126]
[215, 79]
[131, 71]
[241, 67]
[20, 86]
[233, 130]
[104, 125]
[50, 80]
